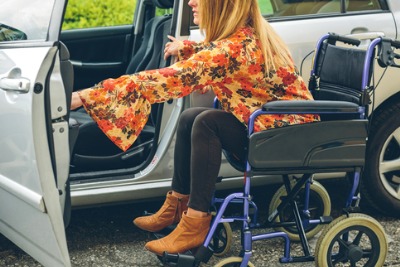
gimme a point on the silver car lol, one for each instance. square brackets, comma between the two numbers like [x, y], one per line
[52, 159]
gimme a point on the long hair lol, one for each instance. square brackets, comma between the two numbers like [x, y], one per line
[219, 19]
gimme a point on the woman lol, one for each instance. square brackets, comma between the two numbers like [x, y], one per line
[246, 64]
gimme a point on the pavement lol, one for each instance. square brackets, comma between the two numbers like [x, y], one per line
[106, 237]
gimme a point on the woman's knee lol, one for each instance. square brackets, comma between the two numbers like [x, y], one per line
[189, 115]
[208, 120]
[187, 119]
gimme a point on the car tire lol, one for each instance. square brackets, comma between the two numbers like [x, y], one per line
[380, 188]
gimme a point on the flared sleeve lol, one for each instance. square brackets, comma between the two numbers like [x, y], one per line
[121, 106]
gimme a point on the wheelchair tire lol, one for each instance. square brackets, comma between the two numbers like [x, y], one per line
[319, 205]
[381, 181]
[232, 262]
[222, 239]
[354, 240]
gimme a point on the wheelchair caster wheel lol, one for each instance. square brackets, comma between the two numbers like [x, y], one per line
[232, 262]
[357, 240]
[221, 241]
[319, 205]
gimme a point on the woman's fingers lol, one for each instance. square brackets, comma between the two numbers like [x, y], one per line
[172, 38]
[171, 48]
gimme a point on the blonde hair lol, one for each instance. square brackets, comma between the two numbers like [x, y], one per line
[219, 19]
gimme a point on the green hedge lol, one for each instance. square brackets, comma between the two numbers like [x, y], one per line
[93, 13]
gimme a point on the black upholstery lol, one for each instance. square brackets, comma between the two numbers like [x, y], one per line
[322, 145]
[138, 56]
[340, 78]
[157, 57]
[142, 58]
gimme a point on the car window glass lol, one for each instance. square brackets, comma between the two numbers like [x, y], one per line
[90, 13]
[24, 20]
[8, 33]
[361, 5]
[282, 8]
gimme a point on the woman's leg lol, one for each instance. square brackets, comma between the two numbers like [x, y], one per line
[212, 131]
[182, 153]
[176, 201]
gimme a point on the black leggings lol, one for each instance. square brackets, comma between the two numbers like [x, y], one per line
[201, 135]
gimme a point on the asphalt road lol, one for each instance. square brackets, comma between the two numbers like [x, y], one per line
[105, 236]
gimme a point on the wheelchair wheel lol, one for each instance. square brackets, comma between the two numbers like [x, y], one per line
[221, 241]
[357, 240]
[232, 262]
[319, 205]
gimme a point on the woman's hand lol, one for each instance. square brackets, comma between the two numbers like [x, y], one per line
[76, 101]
[172, 47]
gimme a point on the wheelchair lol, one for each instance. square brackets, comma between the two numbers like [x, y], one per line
[340, 82]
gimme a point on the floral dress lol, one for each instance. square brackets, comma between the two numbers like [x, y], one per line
[232, 68]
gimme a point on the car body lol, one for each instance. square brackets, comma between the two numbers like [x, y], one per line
[53, 159]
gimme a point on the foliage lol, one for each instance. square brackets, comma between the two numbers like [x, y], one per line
[266, 7]
[94, 13]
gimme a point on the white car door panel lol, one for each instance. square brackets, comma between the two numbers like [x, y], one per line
[31, 215]
[34, 158]
[300, 40]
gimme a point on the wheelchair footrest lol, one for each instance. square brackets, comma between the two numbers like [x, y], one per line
[326, 219]
[190, 258]
[179, 260]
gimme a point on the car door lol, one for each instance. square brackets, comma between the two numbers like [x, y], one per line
[34, 158]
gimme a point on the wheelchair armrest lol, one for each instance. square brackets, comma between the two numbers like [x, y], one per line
[305, 106]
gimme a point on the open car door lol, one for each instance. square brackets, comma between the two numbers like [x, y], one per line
[34, 157]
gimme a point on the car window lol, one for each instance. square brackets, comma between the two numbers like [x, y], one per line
[24, 20]
[89, 13]
[282, 8]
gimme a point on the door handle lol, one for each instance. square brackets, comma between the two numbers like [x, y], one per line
[14, 82]
[365, 35]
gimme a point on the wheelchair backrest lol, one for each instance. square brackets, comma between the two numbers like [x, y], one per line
[340, 72]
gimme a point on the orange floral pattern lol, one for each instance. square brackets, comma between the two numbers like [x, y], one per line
[233, 68]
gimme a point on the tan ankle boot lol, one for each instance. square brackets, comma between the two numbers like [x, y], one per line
[170, 213]
[190, 233]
